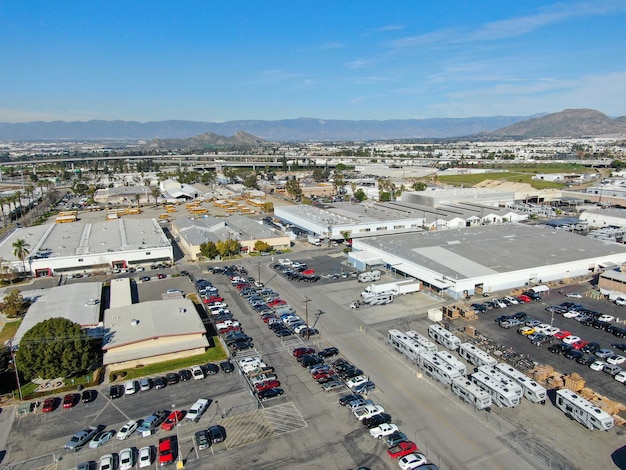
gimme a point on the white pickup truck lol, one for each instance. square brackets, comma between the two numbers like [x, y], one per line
[226, 324]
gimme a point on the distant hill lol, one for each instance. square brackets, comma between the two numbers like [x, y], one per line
[208, 140]
[295, 130]
[567, 123]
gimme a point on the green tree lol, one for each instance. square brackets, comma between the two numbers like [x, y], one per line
[20, 250]
[384, 196]
[321, 174]
[155, 194]
[360, 195]
[14, 305]
[339, 182]
[340, 167]
[419, 186]
[249, 180]
[267, 207]
[54, 348]
[209, 250]
[260, 245]
[293, 189]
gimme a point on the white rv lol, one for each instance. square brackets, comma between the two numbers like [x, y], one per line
[436, 368]
[532, 390]
[443, 337]
[501, 395]
[423, 341]
[475, 355]
[576, 407]
[451, 360]
[471, 393]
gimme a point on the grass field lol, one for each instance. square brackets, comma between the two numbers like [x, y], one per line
[9, 330]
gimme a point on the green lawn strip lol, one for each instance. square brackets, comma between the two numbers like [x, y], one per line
[514, 177]
[9, 330]
[214, 354]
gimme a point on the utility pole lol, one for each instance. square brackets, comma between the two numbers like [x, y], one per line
[306, 315]
[17, 374]
[259, 272]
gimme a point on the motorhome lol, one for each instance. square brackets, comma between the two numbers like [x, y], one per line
[501, 395]
[381, 299]
[502, 378]
[439, 370]
[576, 407]
[532, 390]
[471, 393]
[406, 345]
[476, 356]
[443, 337]
[369, 276]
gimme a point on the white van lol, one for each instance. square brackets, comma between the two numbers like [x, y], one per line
[197, 409]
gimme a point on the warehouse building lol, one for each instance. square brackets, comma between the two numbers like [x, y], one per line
[79, 303]
[191, 233]
[461, 263]
[151, 332]
[87, 247]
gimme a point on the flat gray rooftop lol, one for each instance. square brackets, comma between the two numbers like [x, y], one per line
[72, 301]
[482, 250]
[77, 238]
[154, 319]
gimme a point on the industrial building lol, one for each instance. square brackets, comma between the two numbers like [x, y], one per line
[87, 247]
[79, 303]
[191, 233]
[123, 195]
[375, 218]
[461, 263]
[151, 332]
[604, 217]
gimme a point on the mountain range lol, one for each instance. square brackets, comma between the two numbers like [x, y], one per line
[163, 134]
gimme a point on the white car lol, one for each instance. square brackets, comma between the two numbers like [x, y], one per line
[367, 411]
[551, 331]
[597, 365]
[107, 462]
[127, 430]
[571, 314]
[131, 387]
[412, 461]
[127, 459]
[511, 300]
[574, 295]
[499, 303]
[359, 403]
[606, 318]
[383, 430]
[571, 339]
[284, 262]
[616, 359]
[197, 372]
[145, 457]
[541, 328]
[620, 377]
[358, 380]
[174, 291]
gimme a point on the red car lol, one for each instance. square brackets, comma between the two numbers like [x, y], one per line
[267, 318]
[69, 400]
[402, 449]
[322, 373]
[172, 419]
[213, 298]
[276, 302]
[167, 450]
[241, 285]
[302, 351]
[267, 385]
[562, 334]
[48, 405]
[161, 276]
[579, 344]
[228, 329]
[524, 298]
[308, 272]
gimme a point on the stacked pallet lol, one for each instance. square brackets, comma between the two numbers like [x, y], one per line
[574, 382]
[541, 372]
[555, 380]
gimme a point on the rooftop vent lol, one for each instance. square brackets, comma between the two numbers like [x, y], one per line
[134, 323]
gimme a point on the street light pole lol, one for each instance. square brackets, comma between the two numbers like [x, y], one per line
[180, 463]
[17, 374]
[306, 315]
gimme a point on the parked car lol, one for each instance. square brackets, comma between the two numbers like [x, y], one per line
[126, 430]
[108, 462]
[395, 438]
[302, 351]
[376, 420]
[611, 369]
[159, 382]
[116, 391]
[216, 434]
[328, 352]
[270, 393]
[70, 400]
[167, 450]
[101, 438]
[402, 449]
[227, 367]
[127, 458]
[348, 399]
[202, 439]
[412, 461]
[383, 430]
[603, 353]
[172, 378]
[145, 456]
[172, 420]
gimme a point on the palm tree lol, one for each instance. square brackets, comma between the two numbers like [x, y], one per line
[20, 250]
[3, 201]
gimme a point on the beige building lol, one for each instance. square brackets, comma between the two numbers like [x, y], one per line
[151, 332]
[191, 233]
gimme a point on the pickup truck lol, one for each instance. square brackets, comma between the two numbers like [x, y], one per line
[227, 324]
[82, 437]
[260, 370]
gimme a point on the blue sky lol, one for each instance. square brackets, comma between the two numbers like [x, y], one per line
[348, 59]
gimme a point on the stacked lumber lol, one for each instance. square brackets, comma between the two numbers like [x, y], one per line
[574, 382]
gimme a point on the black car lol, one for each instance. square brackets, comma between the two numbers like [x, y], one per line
[600, 325]
[270, 393]
[172, 378]
[216, 434]
[116, 391]
[184, 375]
[479, 308]
[241, 345]
[309, 359]
[283, 332]
[560, 348]
[326, 378]
[519, 315]
[586, 360]
[591, 348]
[239, 340]
[227, 367]
[376, 420]
[573, 354]
[211, 369]
[347, 399]
[88, 396]
[328, 352]
[618, 332]
[309, 332]
[350, 372]
[620, 346]
[159, 382]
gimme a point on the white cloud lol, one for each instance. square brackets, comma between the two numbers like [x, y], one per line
[382, 29]
[360, 63]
